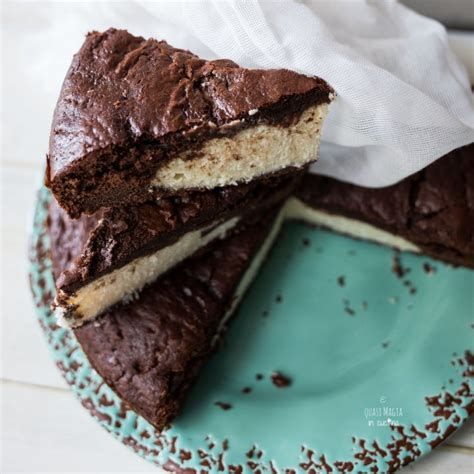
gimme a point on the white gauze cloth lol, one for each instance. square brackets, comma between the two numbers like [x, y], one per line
[404, 99]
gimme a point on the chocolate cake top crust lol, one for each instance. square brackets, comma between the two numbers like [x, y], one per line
[433, 208]
[113, 237]
[127, 103]
[150, 350]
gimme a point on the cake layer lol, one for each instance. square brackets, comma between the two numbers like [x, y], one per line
[132, 114]
[431, 212]
[122, 250]
[250, 153]
[151, 350]
[94, 298]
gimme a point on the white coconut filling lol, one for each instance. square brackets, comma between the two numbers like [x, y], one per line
[296, 209]
[95, 297]
[252, 152]
[251, 272]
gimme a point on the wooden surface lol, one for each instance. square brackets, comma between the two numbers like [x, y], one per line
[43, 427]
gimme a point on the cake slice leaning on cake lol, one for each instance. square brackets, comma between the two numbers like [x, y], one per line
[124, 249]
[430, 212]
[138, 119]
[150, 350]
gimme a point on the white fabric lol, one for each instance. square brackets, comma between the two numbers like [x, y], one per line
[403, 97]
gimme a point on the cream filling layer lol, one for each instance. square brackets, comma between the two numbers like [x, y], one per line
[251, 272]
[250, 153]
[122, 283]
[297, 209]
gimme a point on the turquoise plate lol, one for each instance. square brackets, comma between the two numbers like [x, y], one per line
[379, 362]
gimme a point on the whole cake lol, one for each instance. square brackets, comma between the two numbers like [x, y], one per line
[161, 340]
[171, 176]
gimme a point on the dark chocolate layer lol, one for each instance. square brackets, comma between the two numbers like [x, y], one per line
[151, 350]
[113, 237]
[127, 104]
[433, 208]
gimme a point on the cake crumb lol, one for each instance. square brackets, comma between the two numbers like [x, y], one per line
[349, 311]
[280, 380]
[225, 406]
[341, 280]
[397, 267]
[429, 269]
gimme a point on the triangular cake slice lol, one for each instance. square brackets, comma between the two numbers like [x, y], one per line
[118, 251]
[138, 119]
[430, 212]
[150, 350]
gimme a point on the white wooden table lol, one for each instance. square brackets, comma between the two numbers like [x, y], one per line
[43, 427]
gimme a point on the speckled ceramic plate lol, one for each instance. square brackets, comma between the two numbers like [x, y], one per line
[380, 362]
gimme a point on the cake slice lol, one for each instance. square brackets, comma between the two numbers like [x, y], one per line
[138, 119]
[150, 350]
[124, 249]
[430, 212]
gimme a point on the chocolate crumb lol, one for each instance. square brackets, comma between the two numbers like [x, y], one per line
[185, 455]
[306, 242]
[429, 269]
[279, 298]
[341, 280]
[246, 390]
[412, 290]
[280, 380]
[259, 377]
[397, 267]
[265, 313]
[223, 405]
[349, 311]
[385, 344]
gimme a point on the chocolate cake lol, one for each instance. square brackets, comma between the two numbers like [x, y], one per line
[137, 119]
[430, 212]
[120, 250]
[151, 350]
